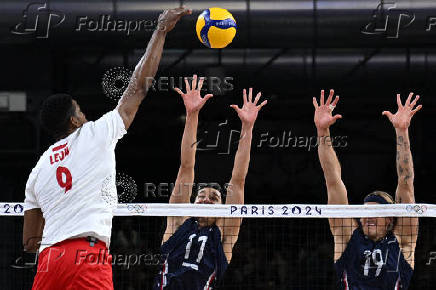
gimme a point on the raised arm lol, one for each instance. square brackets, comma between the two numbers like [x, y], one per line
[185, 178]
[401, 122]
[336, 191]
[235, 193]
[406, 229]
[145, 70]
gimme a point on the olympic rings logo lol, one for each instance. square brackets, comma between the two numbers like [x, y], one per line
[419, 209]
[137, 208]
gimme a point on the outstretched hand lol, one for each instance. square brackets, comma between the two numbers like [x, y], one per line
[168, 19]
[323, 112]
[250, 108]
[401, 119]
[192, 98]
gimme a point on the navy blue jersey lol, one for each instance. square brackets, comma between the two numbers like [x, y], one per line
[195, 258]
[369, 265]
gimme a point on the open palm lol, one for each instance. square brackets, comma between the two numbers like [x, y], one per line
[250, 109]
[401, 119]
[192, 98]
[323, 112]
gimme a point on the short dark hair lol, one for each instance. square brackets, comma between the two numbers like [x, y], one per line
[55, 115]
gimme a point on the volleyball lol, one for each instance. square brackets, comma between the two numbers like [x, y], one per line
[216, 27]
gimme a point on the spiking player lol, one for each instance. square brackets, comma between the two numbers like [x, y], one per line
[371, 253]
[71, 192]
[198, 250]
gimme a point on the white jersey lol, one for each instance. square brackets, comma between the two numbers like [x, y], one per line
[74, 182]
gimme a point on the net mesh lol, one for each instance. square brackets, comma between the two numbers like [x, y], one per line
[284, 252]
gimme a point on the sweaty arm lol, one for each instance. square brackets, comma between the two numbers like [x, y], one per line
[336, 191]
[235, 192]
[145, 70]
[185, 177]
[406, 228]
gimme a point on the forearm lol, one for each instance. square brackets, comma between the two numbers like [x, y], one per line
[242, 157]
[189, 141]
[147, 67]
[327, 157]
[405, 190]
[32, 229]
[143, 75]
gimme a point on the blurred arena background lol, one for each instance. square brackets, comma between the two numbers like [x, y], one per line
[366, 50]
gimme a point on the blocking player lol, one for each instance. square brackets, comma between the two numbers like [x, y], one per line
[71, 192]
[371, 253]
[199, 249]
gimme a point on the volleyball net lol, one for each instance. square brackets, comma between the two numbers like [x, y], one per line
[282, 246]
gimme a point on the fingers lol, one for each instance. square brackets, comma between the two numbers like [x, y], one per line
[263, 104]
[179, 91]
[181, 10]
[244, 95]
[315, 103]
[332, 92]
[250, 95]
[207, 97]
[412, 104]
[336, 117]
[399, 101]
[416, 109]
[194, 82]
[321, 101]
[188, 87]
[257, 98]
[408, 99]
[387, 114]
[235, 107]
[335, 101]
[200, 83]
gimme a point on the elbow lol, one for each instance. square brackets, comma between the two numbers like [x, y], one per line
[237, 181]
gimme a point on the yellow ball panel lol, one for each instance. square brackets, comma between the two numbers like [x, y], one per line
[200, 24]
[220, 38]
[217, 13]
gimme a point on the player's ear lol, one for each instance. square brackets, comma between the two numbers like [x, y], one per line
[74, 122]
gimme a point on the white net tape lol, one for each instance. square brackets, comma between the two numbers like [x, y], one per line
[256, 210]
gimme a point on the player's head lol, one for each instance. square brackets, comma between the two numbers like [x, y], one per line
[208, 194]
[377, 228]
[61, 115]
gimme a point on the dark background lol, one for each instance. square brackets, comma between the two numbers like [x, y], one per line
[287, 49]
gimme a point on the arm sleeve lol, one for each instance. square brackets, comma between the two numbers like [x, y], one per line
[30, 201]
[108, 129]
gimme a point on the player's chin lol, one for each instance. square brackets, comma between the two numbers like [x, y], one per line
[209, 221]
[370, 231]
